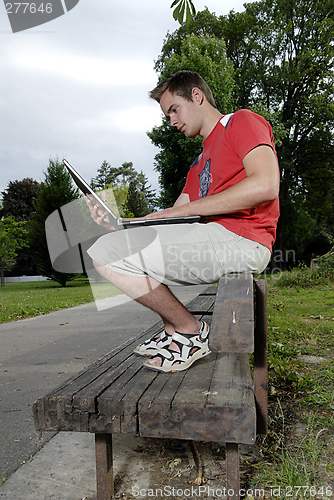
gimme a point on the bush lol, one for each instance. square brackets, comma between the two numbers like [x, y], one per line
[306, 277]
[326, 264]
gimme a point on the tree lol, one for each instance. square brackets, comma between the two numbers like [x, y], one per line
[18, 201]
[113, 175]
[206, 55]
[12, 238]
[132, 195]
[104, 176]
[140, 197]
[176, 154]
[120, 192]
[204, 23]
[149, 193]
[56, 190]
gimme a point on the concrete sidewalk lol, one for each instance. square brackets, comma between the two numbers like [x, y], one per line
[64, 469]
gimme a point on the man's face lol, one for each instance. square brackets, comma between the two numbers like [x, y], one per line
[183, 114]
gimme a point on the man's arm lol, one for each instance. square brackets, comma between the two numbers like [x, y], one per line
[260, 185]
[182, 200]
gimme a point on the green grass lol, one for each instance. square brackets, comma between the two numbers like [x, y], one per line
[302, 319]
[301, 393]
[296, 468]
[25, 300]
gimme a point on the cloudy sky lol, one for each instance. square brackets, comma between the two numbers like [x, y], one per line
[77, 87]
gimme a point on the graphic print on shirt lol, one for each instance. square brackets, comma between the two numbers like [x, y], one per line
[205, 178]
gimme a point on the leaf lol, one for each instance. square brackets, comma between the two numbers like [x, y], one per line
[188, 15]
[177, 11]
[183, 7]
[180, 18]
[193, 10]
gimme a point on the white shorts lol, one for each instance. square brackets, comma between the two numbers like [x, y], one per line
[180, 254]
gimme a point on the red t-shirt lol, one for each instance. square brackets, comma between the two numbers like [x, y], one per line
[220, 166]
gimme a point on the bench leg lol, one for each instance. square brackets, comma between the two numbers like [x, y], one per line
[232, 471]
[260, 357]
[104, 466]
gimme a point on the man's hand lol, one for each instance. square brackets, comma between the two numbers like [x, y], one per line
[179, 209]
[99, 215]
[167, 213]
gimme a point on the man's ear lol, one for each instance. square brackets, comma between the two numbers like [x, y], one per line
[197, 95]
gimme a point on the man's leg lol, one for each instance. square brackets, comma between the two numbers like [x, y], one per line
[159, 299]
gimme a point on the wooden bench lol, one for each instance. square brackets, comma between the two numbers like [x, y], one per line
[215, 400]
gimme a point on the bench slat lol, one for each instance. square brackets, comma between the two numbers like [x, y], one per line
[202, 303]
[109, 404]
[202, 400]
[161, 406]
[233, 317]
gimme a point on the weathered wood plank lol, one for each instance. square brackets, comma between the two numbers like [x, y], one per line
[85, 398]
[154, 408]
[211, 290]
[232, 328]
[196, 383]
[120, 400]
[200, 417]
[91, 369]
[231, 382]
[202, 304]
[232, 388]
[79, 393]
[129, 402]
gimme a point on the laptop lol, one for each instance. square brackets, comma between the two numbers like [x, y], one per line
[119, 222]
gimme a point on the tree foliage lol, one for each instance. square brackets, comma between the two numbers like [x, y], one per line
[176, 154]
[107, 175]
[12, 238]
[56, 190]
[18, 199]
[141, 199]
[134, 198]
[285, 63]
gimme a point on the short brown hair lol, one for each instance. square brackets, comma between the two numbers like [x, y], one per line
[181, 83]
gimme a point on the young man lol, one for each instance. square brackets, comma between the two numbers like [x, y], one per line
[233, 185]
